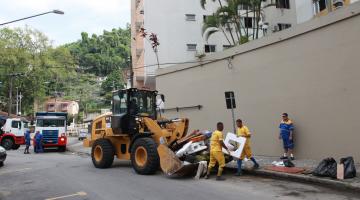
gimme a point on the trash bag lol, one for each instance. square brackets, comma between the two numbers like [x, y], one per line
[326, 168]
[349, 167]
[288, 163]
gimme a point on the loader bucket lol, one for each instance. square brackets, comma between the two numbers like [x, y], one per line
[172, 165]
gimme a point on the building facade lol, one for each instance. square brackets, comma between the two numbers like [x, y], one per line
[58, 105]
[178, 25]
[293, 71]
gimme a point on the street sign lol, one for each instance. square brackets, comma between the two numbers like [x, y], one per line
[230, 100]
[230, 104]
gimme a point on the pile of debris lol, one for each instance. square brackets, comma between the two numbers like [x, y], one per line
[187, 156]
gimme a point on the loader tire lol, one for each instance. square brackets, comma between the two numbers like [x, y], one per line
[102, 153]
[144, 156]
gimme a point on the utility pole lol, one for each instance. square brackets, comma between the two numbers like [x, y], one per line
[11, 77]
[20, 97]
[17, 100]
[10, 94]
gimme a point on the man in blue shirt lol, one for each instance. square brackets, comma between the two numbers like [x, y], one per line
[27, 142]
[38, 142]
[286, 134]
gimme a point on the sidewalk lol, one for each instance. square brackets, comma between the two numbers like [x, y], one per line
[306, 176]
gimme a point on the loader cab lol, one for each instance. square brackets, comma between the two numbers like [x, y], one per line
[130, 104]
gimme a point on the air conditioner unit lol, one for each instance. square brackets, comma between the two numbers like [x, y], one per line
[338, 3]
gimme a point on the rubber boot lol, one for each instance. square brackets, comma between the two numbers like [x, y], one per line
[256, 165]
[239, 170]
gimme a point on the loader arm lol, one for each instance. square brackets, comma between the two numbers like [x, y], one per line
[174, 129]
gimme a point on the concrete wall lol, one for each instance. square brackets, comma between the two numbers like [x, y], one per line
[310, 71]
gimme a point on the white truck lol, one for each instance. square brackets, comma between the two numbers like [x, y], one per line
[12, 133]
[52, 126]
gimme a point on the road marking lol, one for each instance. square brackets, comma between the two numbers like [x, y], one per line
[13, 171]
[66, 196]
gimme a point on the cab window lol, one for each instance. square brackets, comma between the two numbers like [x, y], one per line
[16, 124]
[119, 103]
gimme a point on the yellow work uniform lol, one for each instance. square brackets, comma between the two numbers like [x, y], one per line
[244, 132]
[216, 154]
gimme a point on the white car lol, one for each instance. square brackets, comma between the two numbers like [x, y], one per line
[2, 156]
[82, 135]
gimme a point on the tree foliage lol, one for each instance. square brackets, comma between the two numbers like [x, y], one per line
[26, 57]
[102, 54]
[40, 70]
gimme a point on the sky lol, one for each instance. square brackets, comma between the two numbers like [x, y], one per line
[92, 16]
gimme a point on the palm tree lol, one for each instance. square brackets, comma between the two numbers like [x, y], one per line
[229, 16]
[203, 2]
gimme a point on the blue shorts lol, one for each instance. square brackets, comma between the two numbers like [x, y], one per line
[288, 144]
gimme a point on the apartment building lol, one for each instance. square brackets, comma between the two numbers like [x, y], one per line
[58, 105]
[178, 25]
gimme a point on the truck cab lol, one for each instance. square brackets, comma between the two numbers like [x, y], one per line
[12, 133]
[52, 126]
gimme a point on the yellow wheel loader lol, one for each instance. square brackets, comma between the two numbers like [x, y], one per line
[132, 131]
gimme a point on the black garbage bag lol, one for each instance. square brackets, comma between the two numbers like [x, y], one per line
[326, 168]
[288, 163]
[349, 167]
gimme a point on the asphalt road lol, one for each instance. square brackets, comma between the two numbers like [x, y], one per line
[70, 176]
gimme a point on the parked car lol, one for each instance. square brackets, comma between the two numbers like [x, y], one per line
[2, 156]
[82, 134]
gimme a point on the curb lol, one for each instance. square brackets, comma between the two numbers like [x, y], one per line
[305, 179]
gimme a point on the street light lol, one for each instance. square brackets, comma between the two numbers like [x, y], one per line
[59, 12]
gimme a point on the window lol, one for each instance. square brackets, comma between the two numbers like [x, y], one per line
[322, 5]
[191, 47]
[190, 17]
[64, 106]
[142, 12]
[119, 103]
[51, 106]
[244, 7]
[248, 22]
[16, 124]
[204, 17]
[283, 4]
[229, 29]
[210, 48]
[50, 123]
[283, 26]
[226, 46]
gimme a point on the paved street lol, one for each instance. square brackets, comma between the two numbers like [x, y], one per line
[55, 175]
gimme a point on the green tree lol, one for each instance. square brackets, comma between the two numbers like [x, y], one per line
[102, 54]
[228, 16]
[29, 54]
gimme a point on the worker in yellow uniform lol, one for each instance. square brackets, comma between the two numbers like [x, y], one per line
[216, 154]
[243, 131]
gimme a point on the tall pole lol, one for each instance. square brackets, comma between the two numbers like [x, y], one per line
[232, 111]
[10, 94]
[17, 100]
[20, 103]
